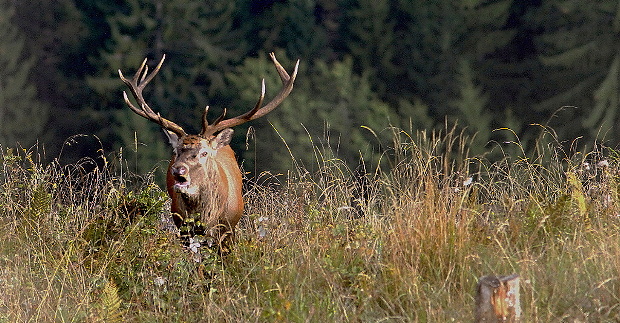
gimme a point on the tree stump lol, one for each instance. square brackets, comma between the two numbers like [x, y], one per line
[497, 299]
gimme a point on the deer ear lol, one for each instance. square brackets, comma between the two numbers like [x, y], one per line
[173, 139]
[222, 139]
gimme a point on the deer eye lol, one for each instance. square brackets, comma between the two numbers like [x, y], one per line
[203, 154]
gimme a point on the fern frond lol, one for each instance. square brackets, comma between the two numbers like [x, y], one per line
[41, 201]
[110, 303]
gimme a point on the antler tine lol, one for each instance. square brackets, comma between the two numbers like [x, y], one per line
[281, 71]
[136, 85]
[140, 72]
[220, 118]
[258, 104]
[287, 81]
[155, 71]
[146, 71]
[205, 121]
[258, 110]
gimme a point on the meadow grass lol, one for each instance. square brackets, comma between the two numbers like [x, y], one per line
[404, 242]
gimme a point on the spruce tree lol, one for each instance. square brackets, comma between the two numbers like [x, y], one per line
[412, 51]
[59, 40]
[579, 48]
[294, 26]
[502, 54]
[328, 115]
[22, 116]
[200, 42]
[471, 107]
[370, 28]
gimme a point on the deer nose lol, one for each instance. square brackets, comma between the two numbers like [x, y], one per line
[178, 170]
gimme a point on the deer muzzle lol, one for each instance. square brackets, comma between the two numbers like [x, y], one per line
[181, 177]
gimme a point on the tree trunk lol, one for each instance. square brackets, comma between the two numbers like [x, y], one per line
[497, 299]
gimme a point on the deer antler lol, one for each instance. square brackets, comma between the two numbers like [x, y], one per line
[258, 110]
[136, 85]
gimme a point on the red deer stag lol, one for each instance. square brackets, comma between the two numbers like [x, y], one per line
[204, 179]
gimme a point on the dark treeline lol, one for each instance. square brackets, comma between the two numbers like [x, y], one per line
[365, 64]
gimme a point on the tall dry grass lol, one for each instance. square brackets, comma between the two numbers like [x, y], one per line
[404, 242]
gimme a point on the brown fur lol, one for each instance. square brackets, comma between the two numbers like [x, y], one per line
[219, 199]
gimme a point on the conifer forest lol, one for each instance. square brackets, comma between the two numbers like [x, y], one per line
[498, 70]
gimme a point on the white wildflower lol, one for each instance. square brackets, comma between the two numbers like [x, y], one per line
[194, 245]
[586, 166]
[262, 227]
[262, 231]
[602, 163]
[607, 200]
[159, 281]
[468, 181]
